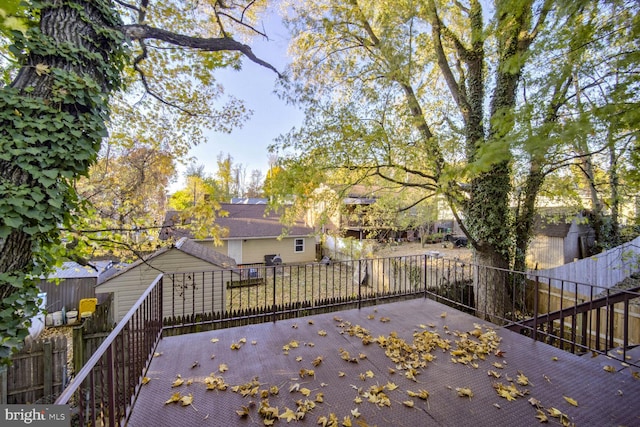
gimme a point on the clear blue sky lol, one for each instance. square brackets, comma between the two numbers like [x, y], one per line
[271, 116]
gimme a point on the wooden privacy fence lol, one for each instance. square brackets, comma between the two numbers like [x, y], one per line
[38, 373]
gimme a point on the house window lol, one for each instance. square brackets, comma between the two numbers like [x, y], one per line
[298, 245]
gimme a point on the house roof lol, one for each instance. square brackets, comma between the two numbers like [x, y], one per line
[555, 223]
[73, 270]
[244, 221]
[189, 247]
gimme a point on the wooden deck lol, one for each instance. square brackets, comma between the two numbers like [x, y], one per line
[258, 362]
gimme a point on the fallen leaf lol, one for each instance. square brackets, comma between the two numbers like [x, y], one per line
[288, 415]
[195, 364]
[186, 400]
[346, 421]
[145, 380]
[464, 391]
[223, 367]
[522, 380]
[156, 354]
[554, 412]
[408, 403]
[541, 416]
[322, 333]
[215, 340]
[178, 382]
[175, 397]
[609, 368]
[243, 411]
[571, 401]
[443, 314]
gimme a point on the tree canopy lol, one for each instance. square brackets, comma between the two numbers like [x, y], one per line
[478, 103]
[75, 71]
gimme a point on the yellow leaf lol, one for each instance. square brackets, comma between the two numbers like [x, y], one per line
[497, 365]
[186, 400]
[408, 403]
[609, 368]
[223, 367]
[522, 380]
[243, 412]
[178, 382]
[464, 391]
[493, 374]
[175, 397]
[319, 397]
[391, 386]
[317, 361]
[215, 340]
[554, 412]
[341, 374]
[310, 322]
[322, 333]
[541, 416]
[299, 359]
[243, 340]
[636, 375]
[145, 380]
[370, 374]
[305, 391]
[346, 421]
[355, 413]
[156, 354]
[42, 69]
[444, 314]
[289, 415]
[357, 400]
[571, 401]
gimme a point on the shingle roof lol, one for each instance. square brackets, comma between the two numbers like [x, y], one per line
[191, 248]
[244, 221]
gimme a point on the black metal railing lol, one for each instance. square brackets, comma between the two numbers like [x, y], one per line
[572, 316]
[104, 390]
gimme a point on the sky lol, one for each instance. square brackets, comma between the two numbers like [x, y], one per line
[271, 117]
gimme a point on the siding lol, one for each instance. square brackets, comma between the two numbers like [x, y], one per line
[545, 252]
[254, 250]
[129, 285]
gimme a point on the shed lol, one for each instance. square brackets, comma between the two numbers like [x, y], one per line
[71, 282]
[202, 268]
[558, 240]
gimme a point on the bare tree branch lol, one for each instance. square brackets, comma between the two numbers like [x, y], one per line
[143, 32]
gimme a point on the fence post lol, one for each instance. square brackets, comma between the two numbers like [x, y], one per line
[48, 362]
[78, 348]
[3, 385]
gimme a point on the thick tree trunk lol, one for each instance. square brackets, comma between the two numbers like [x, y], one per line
[32, 135]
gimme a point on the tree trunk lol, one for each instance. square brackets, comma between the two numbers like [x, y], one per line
[57, 107]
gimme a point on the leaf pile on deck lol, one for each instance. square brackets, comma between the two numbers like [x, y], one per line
[409, 357]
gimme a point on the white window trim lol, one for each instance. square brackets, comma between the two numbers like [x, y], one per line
[295, 245]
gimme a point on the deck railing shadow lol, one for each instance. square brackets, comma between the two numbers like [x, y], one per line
[177, 303]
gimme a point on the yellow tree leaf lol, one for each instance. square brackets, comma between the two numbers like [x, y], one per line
[175, 397]
[408, 403]
[178, 382]
[186, 400]
[609, 368]
[541, 416]
[522, 380]
[215, 340]
[223, 367]
[346, 421]
[288, 415]
[464, 392]
[145, 380]
[571, 401]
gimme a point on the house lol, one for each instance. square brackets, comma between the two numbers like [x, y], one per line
[254, 234]
[71, 282]
[559, 239]
[344, 212]
[202, 268]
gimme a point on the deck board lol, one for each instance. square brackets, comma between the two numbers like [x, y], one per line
[604, 399]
